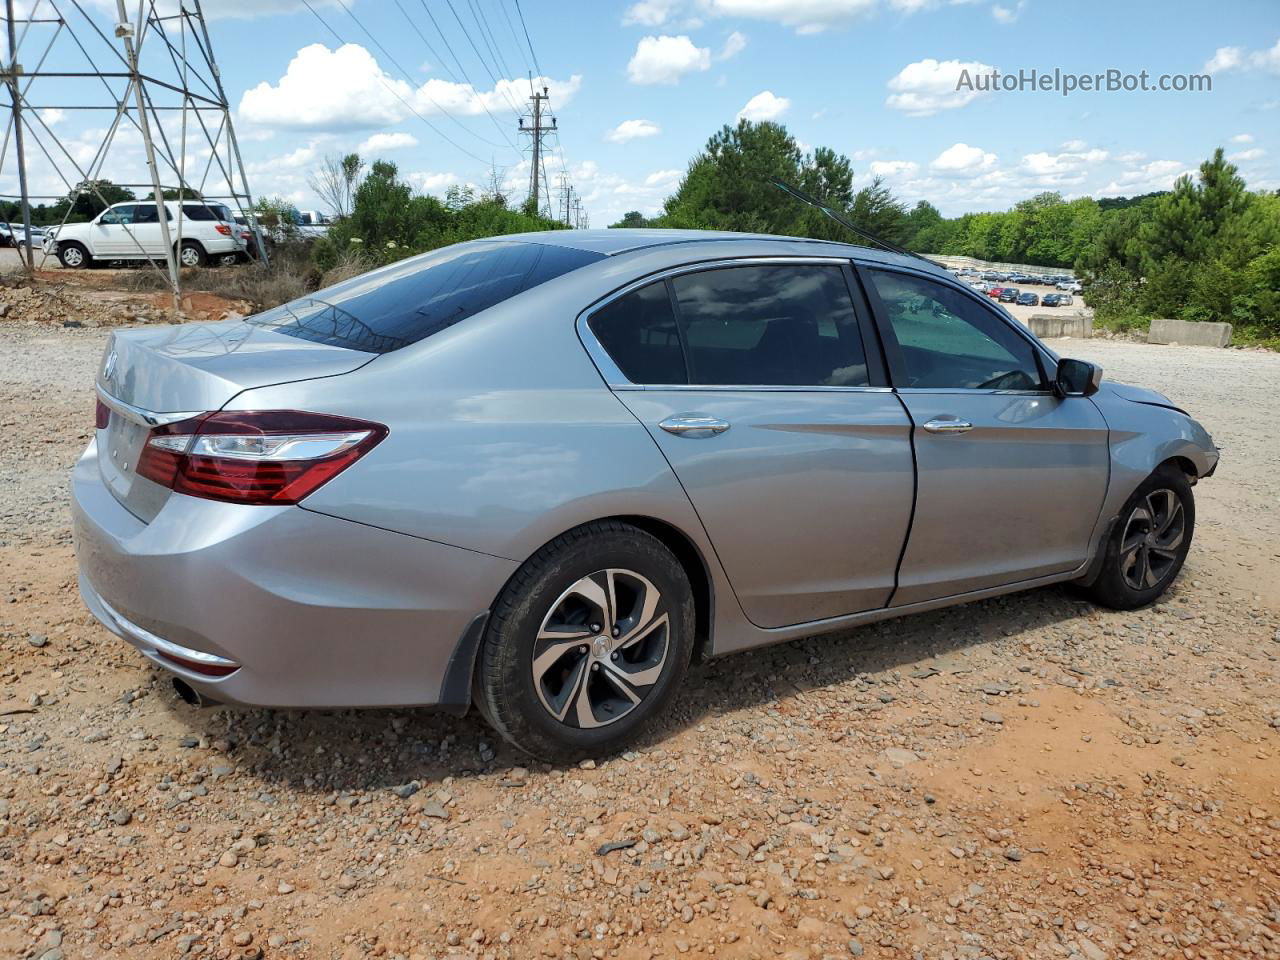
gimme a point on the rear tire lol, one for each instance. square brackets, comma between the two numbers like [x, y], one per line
[1149, 544]
[73, 256]
[587, 644]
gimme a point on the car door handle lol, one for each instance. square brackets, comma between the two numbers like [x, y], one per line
[948, 425]
[694, 426]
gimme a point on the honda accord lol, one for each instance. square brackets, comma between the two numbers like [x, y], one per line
[539, 474]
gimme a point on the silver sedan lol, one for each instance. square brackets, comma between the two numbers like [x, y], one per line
[539, 474]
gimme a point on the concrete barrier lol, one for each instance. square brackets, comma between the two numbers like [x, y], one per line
[1190, 333]
[1053, 325]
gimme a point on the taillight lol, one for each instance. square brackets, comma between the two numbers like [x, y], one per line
[101, 415]
[260, 457]
[223, 229]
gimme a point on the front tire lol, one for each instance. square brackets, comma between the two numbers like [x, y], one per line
[73, 255]
[587, 644]
[191, 254]
[1149, 543]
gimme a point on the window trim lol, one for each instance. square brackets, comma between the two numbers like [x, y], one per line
[614, 378]
[893, 351]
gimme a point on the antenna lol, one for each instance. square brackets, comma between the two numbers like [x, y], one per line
[844, 221]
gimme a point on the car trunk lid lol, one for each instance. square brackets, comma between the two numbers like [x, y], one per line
[152, 376]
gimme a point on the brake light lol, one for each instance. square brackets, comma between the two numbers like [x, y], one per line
[223, 229]
[255, 457]
[101, 415]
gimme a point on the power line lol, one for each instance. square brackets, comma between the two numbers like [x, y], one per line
[524, 26]
[479, 97]
[395, 93]
[466, 33]
[409, 77]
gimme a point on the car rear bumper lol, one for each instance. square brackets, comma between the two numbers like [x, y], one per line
[307, 610]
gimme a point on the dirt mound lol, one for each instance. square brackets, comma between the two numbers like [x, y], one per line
[57, 302]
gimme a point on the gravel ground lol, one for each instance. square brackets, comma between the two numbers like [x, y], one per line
[1024, 777]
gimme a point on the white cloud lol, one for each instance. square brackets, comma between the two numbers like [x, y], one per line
[346, 89]
[927, 86]
[1074, 145]
[1003, 14]
[764, 106]
[1224, 58]
[1268, 59]
[387, 141]
[649, 13]
[734, 44]
[432, 182]
[1144, 178]
[1237, 58]
[663, 179]
[666, 59]
[962, 160]
[893, 168]
[1242, 138]
[52, 115]
[632, 130]
[1069, 168]
[330, 89]
[806, 16]
[1246, 155]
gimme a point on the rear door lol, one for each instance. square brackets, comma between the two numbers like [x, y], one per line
[755, 380]
[147, 232]
[1011, 477]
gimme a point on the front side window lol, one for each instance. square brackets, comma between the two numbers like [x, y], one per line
[771, 325]
[949, 341]
[639, 332]
[123, 214]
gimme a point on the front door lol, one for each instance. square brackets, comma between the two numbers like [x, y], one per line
[1011, 477]
[755, 383]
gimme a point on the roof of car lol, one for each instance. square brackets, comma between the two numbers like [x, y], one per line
[613, 242]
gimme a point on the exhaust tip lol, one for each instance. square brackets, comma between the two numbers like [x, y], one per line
[190, 696]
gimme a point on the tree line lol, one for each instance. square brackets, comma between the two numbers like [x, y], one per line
[1205, 250]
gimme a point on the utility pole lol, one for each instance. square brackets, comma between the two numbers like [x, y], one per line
[536, 132]
[16, 97]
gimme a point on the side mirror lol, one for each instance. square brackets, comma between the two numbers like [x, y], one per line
[1077, 378]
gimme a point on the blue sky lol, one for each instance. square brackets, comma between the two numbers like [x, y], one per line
[637, 89]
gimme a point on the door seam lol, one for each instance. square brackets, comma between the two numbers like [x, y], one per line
[915, 495]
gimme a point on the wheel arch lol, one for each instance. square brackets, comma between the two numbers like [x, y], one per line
[456, 689]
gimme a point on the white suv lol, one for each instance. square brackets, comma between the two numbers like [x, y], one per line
[131, 231]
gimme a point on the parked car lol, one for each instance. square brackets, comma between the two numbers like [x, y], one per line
[1028, 299]
[1050, 300]
[538, 474]
[994, 291]
[1009, 295]
[132, 231]
[1071, 286]
[15, 235]
[1065, 300]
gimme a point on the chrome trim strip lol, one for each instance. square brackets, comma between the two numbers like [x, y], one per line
[975, 391]
[147, 418]
[627, 386]
[146, 638]
[615, 378]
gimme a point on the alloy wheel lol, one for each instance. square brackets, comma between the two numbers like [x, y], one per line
[601, 648]
[73, 257]
[1153, 534]
[190, 257]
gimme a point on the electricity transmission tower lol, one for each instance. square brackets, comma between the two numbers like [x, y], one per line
[536, 130]
[167, 127]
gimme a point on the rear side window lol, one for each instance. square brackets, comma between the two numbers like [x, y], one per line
[639, 332]
[205, 212]
[405, 302]
[771, 325]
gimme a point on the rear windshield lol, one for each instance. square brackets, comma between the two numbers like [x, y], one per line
[408, 301]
